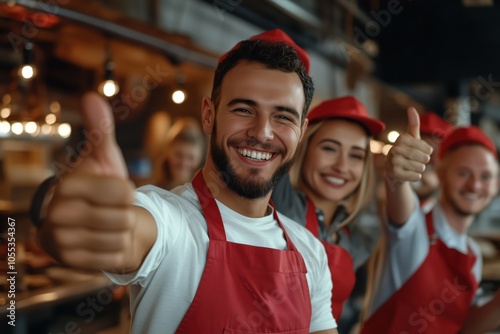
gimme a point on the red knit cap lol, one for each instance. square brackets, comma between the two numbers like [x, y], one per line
[347, 107]
[465, 136]
[433, 125]
[276, 35]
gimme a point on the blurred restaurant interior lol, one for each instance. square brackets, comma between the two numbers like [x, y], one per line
[154, 60]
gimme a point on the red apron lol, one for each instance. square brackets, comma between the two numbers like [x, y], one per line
[435, 299]
[339, 261]
[247, 289]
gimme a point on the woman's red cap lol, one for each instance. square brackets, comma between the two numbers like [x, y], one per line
[347, 107]
[433, 125]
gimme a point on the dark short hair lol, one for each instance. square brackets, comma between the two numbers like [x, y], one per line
[274, 55]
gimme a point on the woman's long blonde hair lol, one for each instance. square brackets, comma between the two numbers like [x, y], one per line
[363, 192]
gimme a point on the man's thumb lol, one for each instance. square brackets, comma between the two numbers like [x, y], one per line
[413, 123]
[100, 135]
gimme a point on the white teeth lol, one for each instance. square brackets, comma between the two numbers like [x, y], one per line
[255, 155]
[335, 180]
[471, 196]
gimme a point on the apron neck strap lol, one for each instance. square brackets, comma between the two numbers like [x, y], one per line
[209, 206]
[312, 223]
[212, 214]
[429, 221]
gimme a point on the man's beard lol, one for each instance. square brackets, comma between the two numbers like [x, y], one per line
[250, 188]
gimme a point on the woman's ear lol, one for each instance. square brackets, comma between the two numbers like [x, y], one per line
[207, 115]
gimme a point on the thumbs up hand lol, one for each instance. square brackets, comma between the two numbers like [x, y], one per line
[103, 157]
[90, 218]
[407, 158]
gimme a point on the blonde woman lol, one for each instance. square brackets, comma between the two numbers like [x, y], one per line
[182, 155]
[330, 182]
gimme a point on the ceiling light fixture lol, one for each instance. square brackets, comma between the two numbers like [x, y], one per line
[109, 87]
[28, 69]
[179, 95]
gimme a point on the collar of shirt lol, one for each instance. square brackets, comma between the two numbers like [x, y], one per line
[447, 234]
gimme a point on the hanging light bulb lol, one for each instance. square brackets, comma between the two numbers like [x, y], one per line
[50, 119]
[5, 112]
[28, 69]
[109, 87]
[46, 129]
[17, 128]
[393, 136]
[179, 95]
[31, 128]
[4, 127]
[64, 130]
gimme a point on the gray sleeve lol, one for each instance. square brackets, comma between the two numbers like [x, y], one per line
[289, 201]
[407, 248]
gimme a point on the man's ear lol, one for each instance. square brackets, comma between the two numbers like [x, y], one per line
[207, 115]
[303, 129]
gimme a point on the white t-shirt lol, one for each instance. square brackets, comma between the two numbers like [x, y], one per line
[164, 286]
[408, 247]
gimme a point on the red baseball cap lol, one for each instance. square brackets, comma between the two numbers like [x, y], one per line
[347, 107]
[433, 125]
[276, 35]
[466, 136]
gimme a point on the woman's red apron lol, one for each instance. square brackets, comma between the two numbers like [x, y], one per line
[339, 261]
[435, 299]
[246, 289]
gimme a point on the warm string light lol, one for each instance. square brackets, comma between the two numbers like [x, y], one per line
[49, 129]
[50, 119]
[28, 70]
[179, 95]
[109, 87]
[392, 136]
[5, 112]
[34, 129]
[376, 146]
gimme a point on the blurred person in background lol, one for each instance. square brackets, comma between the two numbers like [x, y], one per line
[214, 255]
[430, 269]
[182, 156]
[330, 183]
